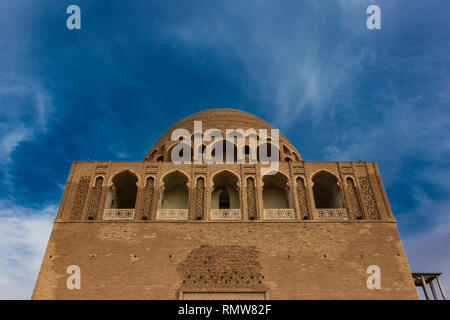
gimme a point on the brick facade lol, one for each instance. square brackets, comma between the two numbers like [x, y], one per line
[304, 257]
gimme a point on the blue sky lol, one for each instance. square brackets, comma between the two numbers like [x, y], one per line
[337, 90]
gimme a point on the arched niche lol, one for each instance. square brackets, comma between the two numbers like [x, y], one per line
[276, 192]
[225, 193]
[174, 192]
[326, 190]
[123, 191]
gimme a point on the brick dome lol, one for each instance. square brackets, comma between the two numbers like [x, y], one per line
[221, 119]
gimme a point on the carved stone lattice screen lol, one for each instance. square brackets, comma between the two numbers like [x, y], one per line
[200, 199]
[279, 214]
[172, 214]
[369, 198]
[223, 296]
[354, 206]
[148, 199]
[302, 199]
[332, 214]
[225, 214]
[251, 199]
[96, 197]
[118, 214]
[80, 198]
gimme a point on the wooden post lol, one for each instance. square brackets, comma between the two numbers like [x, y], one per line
[424, 286]
[441, 287]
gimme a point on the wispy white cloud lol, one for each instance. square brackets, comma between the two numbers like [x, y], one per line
[11, 140]
[24, 233]
[409, 130]
[291, 67]
[25, 108]
[24, 112]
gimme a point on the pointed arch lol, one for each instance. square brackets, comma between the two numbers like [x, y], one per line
[276, 191]
[174, 191]
[326, 190]
[175, 173]
[122, 191]
[225, 186]
[121, 173]
[286, 150]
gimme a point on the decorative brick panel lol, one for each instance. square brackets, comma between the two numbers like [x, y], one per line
[80, 198]
[148, 199]
[221, 268]
[369, 199]
[354, 206]
[251, 199]
[200, 199]
[96, 197]
[302, 199]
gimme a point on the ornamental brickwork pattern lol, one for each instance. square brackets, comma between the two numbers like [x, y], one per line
[96, 196]
[369, 199]
[302, 199]
[80, 198]
[251, 199]
[211, 268]
[200, 199]
[148, 198]
[354, 206]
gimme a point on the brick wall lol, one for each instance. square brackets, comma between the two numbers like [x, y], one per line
[288, 260]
